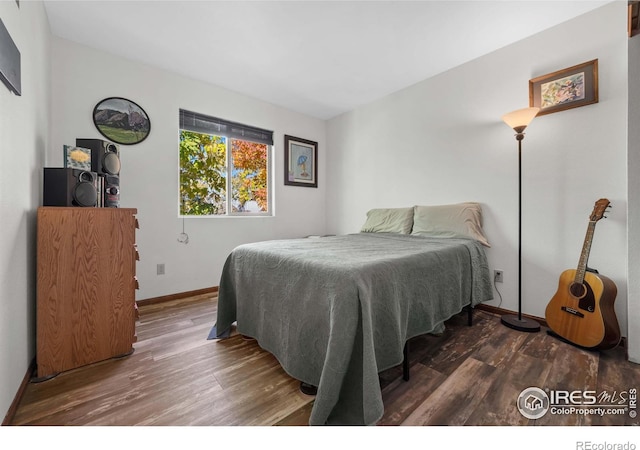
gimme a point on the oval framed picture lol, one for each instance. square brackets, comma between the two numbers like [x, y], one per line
[121, 121]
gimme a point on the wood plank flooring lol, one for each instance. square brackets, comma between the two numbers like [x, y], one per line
[466, 376]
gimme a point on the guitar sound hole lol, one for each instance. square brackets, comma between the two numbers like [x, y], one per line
[578, 290]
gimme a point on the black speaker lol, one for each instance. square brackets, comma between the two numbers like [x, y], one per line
[105, 156]
[111, 191]
[64, 186]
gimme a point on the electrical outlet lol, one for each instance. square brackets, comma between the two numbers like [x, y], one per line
[160, 269]
[497, 276]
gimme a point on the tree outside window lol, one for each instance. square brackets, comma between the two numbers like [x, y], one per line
[217, 171]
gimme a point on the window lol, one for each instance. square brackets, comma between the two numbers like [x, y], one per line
[224, 167]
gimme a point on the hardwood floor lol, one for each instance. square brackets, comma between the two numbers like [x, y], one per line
[466, 376]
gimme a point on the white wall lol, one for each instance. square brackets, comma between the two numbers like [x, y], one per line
[439, 141]
[442, 141]
[149, 176]
[634, 197]
[24, 127]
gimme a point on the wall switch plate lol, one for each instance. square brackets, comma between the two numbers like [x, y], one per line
[160, 269]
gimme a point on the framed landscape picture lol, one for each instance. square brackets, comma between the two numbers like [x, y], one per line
[565, 89]
[301, 162]
[121, 121]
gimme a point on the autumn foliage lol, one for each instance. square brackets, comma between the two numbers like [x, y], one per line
[250, 182]
[204, 177]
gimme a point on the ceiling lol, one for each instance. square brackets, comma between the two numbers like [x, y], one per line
[320, 58]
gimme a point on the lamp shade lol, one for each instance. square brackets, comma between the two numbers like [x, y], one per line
[520, 118]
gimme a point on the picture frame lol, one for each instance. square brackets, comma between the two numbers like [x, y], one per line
[565, 89]
[301, 162]
[633, 18]
[10, 65]
[121, 121]
[77, 157]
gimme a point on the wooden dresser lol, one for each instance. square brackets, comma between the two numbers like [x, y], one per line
[86, 309]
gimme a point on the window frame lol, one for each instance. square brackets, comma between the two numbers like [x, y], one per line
[238, 132]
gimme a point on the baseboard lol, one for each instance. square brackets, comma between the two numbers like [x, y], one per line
[8, 418]
[502, 312]
[179, 295]
[540, 320]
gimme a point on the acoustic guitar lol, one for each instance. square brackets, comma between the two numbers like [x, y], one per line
[581, 311]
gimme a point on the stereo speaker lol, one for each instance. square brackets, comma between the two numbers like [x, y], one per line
[64, 186]
[111, 192]
[105, 156]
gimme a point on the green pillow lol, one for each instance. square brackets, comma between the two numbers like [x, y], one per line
[459, 220]
[388, 220]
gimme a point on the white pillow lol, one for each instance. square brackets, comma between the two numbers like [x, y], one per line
[388, 220]
[459, 220]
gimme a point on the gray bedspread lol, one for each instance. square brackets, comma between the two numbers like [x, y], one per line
[335, 311]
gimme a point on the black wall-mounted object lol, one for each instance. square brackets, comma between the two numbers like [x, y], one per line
[9, 61]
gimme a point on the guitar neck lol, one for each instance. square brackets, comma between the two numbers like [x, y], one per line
[584, 255]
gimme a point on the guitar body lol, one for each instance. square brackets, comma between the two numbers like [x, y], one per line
[583, 313]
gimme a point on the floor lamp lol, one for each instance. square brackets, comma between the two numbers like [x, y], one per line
[519, 120]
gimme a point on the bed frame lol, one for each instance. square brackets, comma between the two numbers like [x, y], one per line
[405, 351]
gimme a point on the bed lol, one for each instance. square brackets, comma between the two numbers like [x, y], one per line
[337, 310]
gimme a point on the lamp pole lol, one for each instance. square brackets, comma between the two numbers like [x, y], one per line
[520, 137]
[519, 120]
